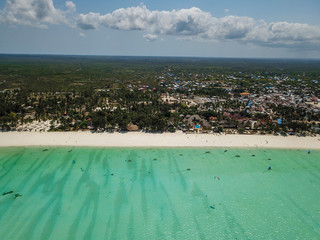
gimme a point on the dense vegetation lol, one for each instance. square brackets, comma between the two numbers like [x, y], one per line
[76, 73]
[111, 92]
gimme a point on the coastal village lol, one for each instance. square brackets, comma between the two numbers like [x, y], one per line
[257, 100]
[259, 109]
[163, 98]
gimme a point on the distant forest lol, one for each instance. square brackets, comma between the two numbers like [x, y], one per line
[78, 73]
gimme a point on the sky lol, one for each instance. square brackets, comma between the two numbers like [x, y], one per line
[195, 28]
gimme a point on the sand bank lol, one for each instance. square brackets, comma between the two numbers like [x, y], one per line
[139, 139]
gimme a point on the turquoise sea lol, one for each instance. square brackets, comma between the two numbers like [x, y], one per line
[159, 193]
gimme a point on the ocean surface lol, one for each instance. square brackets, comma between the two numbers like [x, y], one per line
[159, 193]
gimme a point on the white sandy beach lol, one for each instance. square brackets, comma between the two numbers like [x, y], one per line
[139, 139]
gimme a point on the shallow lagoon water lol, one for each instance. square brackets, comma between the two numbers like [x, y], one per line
[159, 193]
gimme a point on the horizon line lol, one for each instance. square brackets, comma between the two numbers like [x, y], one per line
[153, 56]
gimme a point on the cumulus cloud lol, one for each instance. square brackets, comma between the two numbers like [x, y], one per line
[89, 21]
[71, 6]
[197, 24]
[33, 12]
[192, 23]
[150, 37]
[182, 22]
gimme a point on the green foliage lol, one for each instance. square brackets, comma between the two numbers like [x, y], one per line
[240, 130]
[116, 91]
[84, 124]
[99, 120]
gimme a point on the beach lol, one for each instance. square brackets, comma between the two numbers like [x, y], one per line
[140, 139]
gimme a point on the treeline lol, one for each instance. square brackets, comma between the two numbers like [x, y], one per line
[77, 73]
[116, 110]
[78, 110]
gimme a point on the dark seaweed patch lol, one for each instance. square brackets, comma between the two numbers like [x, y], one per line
[6, 193]
[17, 195]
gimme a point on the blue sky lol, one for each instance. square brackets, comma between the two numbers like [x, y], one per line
[202, 28]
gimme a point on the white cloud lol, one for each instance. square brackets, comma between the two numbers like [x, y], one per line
[81, 34]
[150, 37]
[89, 21]
[182, 22]
[226, 10]
[192, 24]
[32, 12]
[195, 24]
[71, 6]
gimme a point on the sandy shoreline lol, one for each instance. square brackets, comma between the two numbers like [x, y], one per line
[138, 139]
